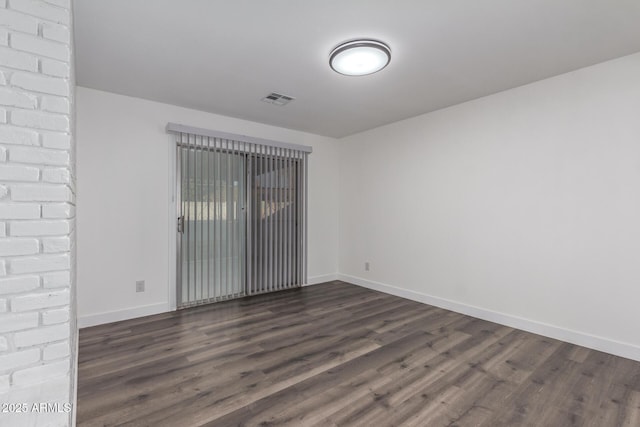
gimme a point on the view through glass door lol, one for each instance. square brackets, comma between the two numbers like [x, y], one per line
[275, 215]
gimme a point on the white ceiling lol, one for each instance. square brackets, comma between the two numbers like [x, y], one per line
[224, 56]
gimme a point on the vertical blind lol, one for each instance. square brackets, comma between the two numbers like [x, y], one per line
[242, 214]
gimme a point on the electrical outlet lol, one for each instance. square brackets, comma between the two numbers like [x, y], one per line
[140, 286]
[366, 266]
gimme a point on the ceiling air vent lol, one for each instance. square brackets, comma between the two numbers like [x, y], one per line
[277, 99]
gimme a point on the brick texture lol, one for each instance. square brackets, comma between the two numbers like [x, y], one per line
[37, 293]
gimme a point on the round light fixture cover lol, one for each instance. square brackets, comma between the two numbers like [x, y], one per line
[360, 57]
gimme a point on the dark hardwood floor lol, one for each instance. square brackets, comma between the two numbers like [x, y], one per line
[337, 354]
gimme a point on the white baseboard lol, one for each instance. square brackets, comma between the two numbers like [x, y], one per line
[315, 280]
[115, 316]
[147, 310]
[606, 345]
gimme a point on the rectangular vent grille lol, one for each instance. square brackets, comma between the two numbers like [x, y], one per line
[277, 99]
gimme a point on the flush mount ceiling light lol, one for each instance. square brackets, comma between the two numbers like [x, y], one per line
[360, 57]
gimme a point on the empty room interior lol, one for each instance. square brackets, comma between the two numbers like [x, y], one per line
[338, 213]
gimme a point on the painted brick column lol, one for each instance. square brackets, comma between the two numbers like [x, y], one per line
[37, 209]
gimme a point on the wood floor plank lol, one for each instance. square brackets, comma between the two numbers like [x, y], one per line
[340, 355]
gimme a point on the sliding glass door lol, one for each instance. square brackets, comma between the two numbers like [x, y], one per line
[241, 219]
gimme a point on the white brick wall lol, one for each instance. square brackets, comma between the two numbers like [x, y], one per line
[40, 46]
[37, 207]
[39, 228]
[19, 284]
[17, 98]
[57, 175]
[42, 335]
[44, 10]
[11, 135]
[19, 173]
[55, 68]
[56, 140]
[32, 376]
[19, 22]
[19, 211]
[40, 156]
[56, 351]
[18, 60]
[60, 279]
[41, 193]
[13, 247]
[12, 322]
[34, 301]
[58, 210]
[52, 317]
[39, 264]
[35, 119]
[39, 83]
[55, 104]
[56, 245]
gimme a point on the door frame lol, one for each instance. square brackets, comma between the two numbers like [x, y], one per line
[173, 193]
[172, 285]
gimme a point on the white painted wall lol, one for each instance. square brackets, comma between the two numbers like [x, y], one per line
[38, 331]
[521, 207]
[124, 196]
